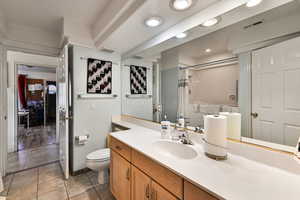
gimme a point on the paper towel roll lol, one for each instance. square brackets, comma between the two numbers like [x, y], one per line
[215, 133]
[233, 124]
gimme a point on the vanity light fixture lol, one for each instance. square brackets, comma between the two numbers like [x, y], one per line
[252, 3]
[181, 35]
[180, 5]
[207, 50]
[211, 22]
[153, 21]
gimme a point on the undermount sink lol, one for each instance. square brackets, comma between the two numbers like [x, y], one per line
[173, 149]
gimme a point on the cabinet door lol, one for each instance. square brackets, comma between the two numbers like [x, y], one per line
[192, 192]
[159, 193]
[140, 185]
[120, 177]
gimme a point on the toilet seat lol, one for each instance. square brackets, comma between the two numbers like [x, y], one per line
[99, 155]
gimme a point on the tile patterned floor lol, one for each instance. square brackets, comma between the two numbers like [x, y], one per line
[32, 157]
[47, 183]
[36, 136]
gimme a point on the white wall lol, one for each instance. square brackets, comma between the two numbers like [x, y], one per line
[169, 83]
[92, 116]
[138, 107]
[214, 85]
[14, 58]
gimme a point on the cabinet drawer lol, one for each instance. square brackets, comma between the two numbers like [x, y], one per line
[160, 174]
[192, 192]
[120, 148]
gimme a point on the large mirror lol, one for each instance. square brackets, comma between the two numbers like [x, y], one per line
[251, 67]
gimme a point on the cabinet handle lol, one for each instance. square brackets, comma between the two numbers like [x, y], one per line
[147, 193]
[128, 174]
[118, 148]
[153, 195]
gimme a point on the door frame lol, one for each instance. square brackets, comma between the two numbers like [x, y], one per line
[16, 64]
[3, 112]
[3, 98]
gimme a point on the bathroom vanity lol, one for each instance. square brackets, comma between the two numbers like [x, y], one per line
[145, 167]
[136, 176]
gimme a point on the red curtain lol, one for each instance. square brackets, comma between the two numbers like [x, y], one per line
[22, 89]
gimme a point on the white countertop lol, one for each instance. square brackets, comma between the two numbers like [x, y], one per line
[237, 178]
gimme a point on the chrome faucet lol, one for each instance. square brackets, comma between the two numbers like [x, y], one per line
[185, 137]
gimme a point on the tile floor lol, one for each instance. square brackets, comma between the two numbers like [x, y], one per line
[47, 183]
[33, 157]
[36, 147]
[36, 136]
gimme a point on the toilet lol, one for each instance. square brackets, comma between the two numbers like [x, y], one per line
[98, 161]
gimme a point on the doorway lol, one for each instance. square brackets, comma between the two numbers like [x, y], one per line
[34, 138]
[275, 93]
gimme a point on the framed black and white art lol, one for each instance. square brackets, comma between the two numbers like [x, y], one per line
[99, 76]
[138, 80]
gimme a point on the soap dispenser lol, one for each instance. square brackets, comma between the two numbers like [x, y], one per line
[165, 128]
[181, 121]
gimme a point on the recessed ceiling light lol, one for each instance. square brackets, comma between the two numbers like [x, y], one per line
[207, 50]
[181, 35]
[210, 22]
[153, 21]
[181, 5]
[252, 3]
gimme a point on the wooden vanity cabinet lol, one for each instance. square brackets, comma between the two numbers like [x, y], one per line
[171, 181]
[134, 176]
[140, 185]
[191, 192]
[120, 148]
[159, 193]
[144, 188]
[120, 177]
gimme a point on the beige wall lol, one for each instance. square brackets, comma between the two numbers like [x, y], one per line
[214, 85]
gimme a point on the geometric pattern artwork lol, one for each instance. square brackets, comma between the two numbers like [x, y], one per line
[138, 79]
[99, 76]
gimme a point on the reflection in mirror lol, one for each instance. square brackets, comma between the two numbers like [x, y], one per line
[251, 67]
[137, 84]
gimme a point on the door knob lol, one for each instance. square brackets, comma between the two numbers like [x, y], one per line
[255, 115]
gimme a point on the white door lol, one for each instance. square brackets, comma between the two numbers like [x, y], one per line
[276, 93]
[63, 110]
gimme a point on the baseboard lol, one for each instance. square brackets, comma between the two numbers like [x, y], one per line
[81, 171]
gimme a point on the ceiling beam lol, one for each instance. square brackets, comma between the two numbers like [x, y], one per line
[116, 13]
[228, 19]
[212, 11]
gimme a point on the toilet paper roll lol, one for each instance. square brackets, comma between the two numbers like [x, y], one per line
[215, 134]
[233, 124]
[82, 139]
